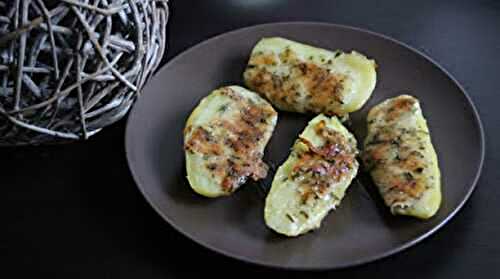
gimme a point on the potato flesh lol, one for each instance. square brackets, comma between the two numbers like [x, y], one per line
[208, 165]
[285, 210]
[401, 158]
[301, 78]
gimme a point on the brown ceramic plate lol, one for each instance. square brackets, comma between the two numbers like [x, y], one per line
[361, 229]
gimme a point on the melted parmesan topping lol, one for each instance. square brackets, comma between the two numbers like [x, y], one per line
[295, 84]
[398, 151]
[301, 78]
[314, 178]
[232, 143]
[318, 168]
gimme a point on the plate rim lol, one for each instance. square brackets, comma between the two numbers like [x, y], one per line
[361, 261]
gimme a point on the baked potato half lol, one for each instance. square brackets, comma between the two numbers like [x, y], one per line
[400, 156]
[314, 178]
[224, 140]
[300, 78]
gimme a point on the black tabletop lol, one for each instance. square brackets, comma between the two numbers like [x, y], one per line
[73, 211]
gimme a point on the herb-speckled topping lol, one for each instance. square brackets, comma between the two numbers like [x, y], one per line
[231, 143]
[314, 178]
[398, 152]
[296, 84]
[318, 168]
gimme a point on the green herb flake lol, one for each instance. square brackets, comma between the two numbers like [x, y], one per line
[304, 214]
[222, 108]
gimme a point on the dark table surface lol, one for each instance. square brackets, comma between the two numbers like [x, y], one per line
[73, 211]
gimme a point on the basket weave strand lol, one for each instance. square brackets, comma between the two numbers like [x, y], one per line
[68, 68]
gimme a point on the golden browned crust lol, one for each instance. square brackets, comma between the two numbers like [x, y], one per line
[317, 168]
[399, 106]
[398, 154]
[306, 88]
[395, 154]
[234, 143]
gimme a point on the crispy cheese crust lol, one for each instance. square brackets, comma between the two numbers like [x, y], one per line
[400, 156]
[224, 140]
[313, 179]
[300, 78]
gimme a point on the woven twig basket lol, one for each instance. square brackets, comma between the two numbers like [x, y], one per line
[68, 68]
